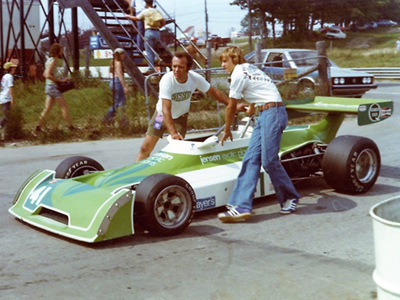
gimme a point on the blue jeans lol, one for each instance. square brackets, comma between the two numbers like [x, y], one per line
[153, 38]
[119, 99]
[139, 39]
[6, 113]
[263, 150]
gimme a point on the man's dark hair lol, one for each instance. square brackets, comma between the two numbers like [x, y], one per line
[189, 58]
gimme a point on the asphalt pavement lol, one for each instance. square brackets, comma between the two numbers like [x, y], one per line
[323, 251]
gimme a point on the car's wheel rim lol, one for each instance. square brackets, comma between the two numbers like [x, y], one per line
[366, 166]
[172, 207]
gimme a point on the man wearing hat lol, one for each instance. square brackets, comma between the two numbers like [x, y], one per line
[153, 21]
[6, 95]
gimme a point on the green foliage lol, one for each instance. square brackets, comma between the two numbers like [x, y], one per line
[301, 15]
[89, 103]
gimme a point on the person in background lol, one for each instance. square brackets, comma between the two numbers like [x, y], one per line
[398, 45]
[135, 8]
[153, 21]
[51, 89]
[172, 109]
[6, 96]
[192, 50]
[117, 84]
[255, 87]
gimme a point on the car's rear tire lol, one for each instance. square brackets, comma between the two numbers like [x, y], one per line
[351, 164]
[75, 166]
[165, 203]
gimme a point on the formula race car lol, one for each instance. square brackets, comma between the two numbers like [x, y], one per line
[82, 201]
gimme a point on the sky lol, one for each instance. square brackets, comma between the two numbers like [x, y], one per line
[222, 17]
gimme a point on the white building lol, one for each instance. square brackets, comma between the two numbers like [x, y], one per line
[11, 25]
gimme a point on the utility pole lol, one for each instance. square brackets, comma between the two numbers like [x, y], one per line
[22, 36]
[250, 27]
[208, 44]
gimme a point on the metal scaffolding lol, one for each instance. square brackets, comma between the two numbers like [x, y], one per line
[29, 28]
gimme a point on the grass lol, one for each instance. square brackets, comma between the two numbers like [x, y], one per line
[89, 103]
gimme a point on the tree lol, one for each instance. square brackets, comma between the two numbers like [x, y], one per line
[298, 17]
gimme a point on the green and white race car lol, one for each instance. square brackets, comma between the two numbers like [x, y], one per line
[82, 201]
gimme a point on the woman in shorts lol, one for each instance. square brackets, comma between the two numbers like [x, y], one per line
[51, 89]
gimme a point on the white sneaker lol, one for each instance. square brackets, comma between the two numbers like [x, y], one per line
[289, 206]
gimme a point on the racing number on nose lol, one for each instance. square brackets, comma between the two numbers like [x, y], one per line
[37, 196]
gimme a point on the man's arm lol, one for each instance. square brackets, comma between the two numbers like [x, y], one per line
[120, 75]
[169, 122]
[217, 94]
[221, 97]
[229, 117]
[162, 23]
[133, 18]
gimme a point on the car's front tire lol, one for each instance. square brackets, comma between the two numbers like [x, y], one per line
[165, 203]
[75, 166]
[351, 164]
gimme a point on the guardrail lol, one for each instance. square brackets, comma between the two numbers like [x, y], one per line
[381, 73]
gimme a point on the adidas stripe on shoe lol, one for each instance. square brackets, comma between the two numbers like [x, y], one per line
[289, 206]
[234, 214]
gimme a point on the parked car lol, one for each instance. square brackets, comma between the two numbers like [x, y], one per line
[334, 33]
[371, 25]
[82, 201]
[201, 42]
[184, 41]
[278, 63]
[386, 23]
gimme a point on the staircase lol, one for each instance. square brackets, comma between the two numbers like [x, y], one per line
[120, 32]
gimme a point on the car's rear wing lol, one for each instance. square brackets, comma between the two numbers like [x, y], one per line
[368, 110]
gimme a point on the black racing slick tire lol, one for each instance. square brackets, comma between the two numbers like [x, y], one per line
[75, 166]
[166, 204]
[351, 164]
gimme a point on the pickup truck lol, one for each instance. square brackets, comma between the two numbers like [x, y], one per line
[217, 41]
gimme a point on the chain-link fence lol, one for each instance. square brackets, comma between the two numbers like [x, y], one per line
[89, 103]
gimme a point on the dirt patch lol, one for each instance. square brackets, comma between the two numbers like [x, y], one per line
[394, 30]
[360, 42]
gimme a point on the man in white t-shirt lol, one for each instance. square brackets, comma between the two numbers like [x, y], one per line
[6, 95]
[176, 89]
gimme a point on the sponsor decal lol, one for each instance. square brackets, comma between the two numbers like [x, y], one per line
[232, 155]
[158, 121]
[362, 108]
[157, 158]
[181, 96]
[386, 112]
[374, 112]
[205, 203]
